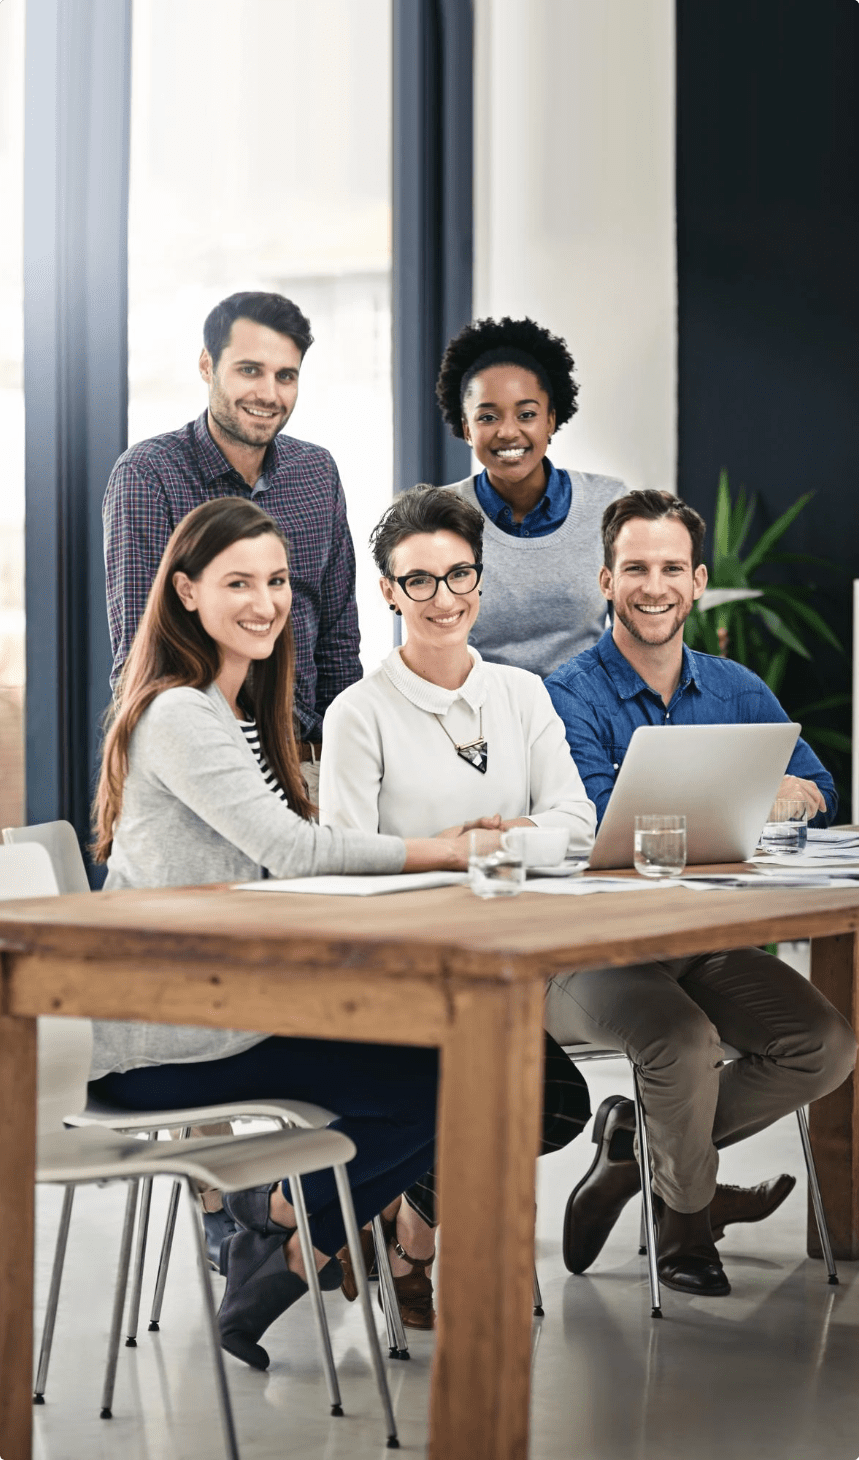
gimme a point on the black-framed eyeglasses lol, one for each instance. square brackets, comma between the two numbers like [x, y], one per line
[421, 587]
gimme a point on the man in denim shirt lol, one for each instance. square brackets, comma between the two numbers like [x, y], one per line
[669, 1017]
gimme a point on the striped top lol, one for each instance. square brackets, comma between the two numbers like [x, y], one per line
[251, 734]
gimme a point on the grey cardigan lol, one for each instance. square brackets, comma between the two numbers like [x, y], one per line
[196, 809]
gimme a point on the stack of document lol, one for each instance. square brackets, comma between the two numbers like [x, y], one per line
[829, 853]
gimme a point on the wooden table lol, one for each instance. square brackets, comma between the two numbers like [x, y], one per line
[436, 968]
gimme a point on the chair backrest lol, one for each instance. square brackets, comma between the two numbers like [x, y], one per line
[61, 842]
[65, 1060]
[65, 1045]
[26, 871]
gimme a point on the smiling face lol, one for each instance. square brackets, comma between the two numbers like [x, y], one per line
[507, 420]
[243, 598]
[254, 386]
[444, 621]
[651, 582]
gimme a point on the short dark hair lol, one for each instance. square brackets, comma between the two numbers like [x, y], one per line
[425, 509]
[273, 310]
[507, 341]
[651, 505]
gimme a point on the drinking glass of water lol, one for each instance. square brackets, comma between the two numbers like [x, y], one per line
[787, 827]
[494, 870]
[660, 845]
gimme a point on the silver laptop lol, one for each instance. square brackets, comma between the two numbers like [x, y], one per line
[722, 778]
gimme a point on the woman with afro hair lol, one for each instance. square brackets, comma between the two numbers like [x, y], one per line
[505, 386]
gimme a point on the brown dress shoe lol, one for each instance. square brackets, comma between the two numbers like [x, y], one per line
[747, 1203]
[414, 1289]
[349, 1285]
[687, 1260]
[596, 1203]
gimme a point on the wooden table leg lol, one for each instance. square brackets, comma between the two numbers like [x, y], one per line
[17, 1237]
[489, 1124]
[834, 1120]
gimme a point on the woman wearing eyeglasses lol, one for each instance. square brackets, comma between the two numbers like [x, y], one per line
[506, 386]
[435, 739]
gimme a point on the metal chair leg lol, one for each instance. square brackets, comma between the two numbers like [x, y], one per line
[166, 1249]
[816, 1198]
[226, 1408]
[647, 1193]
[642, 1233]
[354, 1241]
[322, 1333]
[139, 1257]
[53, 1296]
[119, 1300]
[538, 1298]
[398, 1347]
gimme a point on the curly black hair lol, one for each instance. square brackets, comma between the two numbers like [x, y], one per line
[506, 342]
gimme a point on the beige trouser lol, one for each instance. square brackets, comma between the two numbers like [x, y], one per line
[668, 1018]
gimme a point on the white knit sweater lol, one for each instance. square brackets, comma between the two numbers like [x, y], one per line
[389, 766]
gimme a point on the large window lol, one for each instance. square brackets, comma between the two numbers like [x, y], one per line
[260, 159]
[12, 417]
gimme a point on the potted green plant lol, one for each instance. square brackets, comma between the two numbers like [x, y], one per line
[742, 616]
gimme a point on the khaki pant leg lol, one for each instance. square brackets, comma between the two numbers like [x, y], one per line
[642, 1012]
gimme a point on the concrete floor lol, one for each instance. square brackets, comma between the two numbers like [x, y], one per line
[769, 1373]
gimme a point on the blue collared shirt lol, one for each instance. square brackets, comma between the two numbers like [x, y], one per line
[602, 700]
[546, 517]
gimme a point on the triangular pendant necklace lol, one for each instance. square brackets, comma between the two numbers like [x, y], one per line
[474, 752]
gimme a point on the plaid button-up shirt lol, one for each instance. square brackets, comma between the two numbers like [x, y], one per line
[158, 482]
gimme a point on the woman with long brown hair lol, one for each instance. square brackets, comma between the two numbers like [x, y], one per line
[200, 783]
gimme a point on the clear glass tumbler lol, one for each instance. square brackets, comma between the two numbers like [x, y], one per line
[786, 829]
[493, 870]
[660, 845]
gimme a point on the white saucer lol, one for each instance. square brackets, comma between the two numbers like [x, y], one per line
[560, 869]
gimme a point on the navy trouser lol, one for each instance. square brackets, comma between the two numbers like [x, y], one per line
[385, 1097]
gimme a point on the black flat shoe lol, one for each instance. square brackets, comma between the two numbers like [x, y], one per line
[249, 1208]
[218, 1226]
[614, 1177]
[259, 1288]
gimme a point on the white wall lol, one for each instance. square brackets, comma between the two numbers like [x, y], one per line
[575, 219]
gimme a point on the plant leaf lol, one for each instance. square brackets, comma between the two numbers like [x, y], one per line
[775, 670]
[722, 522]
[806, 612]
[778, 628]
[832, 702]
[772, 534]
[742, 520]
[832, 739]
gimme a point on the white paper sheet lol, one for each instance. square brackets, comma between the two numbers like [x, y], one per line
[581, 886]
[345, 886]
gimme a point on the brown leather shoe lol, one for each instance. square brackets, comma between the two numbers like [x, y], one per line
[596, 1203]
[414, 1289]
[747, 1203]
[349, 1285]
[687, 1260]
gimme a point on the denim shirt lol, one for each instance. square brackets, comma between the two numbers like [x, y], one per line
[602, 700]
[551, 510]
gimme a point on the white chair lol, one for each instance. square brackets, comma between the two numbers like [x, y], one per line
[72, 1157]
[648, 1242]
[60, 841]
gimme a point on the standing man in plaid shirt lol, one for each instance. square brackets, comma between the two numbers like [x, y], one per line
[254, 345]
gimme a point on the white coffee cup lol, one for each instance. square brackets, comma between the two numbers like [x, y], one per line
[538, 846]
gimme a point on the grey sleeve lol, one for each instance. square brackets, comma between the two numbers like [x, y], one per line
[183, 746]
